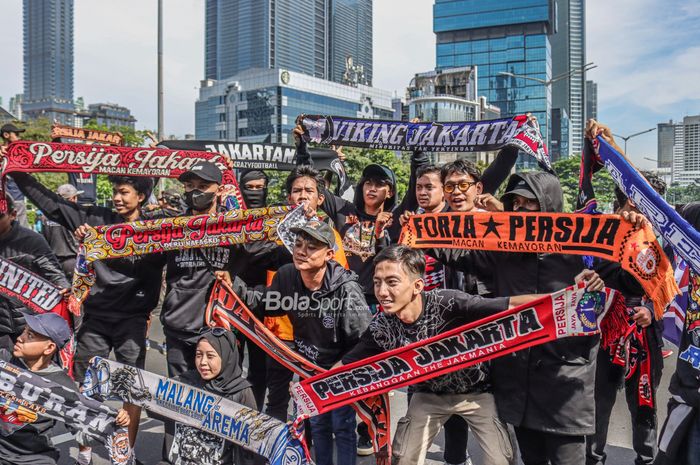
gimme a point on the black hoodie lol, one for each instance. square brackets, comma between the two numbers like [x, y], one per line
[29, 250]
[328, 322]
[549, 387]
[124, 287]
[359, 241]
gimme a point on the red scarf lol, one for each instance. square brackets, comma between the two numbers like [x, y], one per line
[569, 312]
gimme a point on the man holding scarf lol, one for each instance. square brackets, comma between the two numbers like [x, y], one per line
[410, 315]
[328, 313]
[126, 289]
[644, 356]
[550, 424]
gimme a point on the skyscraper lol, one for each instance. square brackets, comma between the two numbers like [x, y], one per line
[591, 100]
[48, 60]
[569, 53]
[313, 37]
[665, 135]
[498, 36]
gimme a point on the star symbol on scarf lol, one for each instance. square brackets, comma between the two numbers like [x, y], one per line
[491, 227]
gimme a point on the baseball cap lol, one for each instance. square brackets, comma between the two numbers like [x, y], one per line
[9, 127]
[376, 171]
[205, 170]
[318, 230]
[50, 325]
[521, 188]
[67, 191]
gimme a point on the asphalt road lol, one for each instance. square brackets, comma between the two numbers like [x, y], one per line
[150, 439]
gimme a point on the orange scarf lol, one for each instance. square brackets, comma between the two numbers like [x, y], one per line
[604, 236]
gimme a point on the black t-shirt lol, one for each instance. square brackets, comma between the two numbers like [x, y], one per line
[27, 440]
[443, 309]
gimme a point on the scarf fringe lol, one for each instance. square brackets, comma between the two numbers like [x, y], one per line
[615, 322]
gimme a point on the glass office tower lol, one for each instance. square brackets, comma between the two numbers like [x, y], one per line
[48, 60]
[500, 36]
[313, 37]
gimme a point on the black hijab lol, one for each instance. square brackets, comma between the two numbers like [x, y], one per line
[230, 380]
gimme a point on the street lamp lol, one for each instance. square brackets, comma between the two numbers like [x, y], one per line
[626, 138]
[580, 69]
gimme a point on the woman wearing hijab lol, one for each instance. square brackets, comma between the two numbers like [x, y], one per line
[217, 371]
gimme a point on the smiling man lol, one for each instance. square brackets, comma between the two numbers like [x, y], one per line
[409, 314]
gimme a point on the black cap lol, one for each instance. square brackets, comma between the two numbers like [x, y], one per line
[318, 230]
[50, 325]
[521, 188]
[205, 170]
[376, 171]
[9, 127]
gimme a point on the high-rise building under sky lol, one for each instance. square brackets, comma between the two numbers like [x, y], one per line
[498, 36]
[313, 37]
[568, 54]
[48, 60]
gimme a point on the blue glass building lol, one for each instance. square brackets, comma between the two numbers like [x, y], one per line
[48, 60]
[313, 37]
[500, 36]
[261, 105]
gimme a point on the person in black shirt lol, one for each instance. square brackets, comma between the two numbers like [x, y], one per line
[126, 289]
[62, 240]
[409, 314]
[29, 250]
[25, 439]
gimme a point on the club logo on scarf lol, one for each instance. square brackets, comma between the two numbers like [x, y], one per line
[586, 310]
[604, 236]
[359, 240]
[59, 131]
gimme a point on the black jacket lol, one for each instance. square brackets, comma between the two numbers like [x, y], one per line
[124, 287]
[328, 322]
[30, 443]
[29, 250]
[549, 387]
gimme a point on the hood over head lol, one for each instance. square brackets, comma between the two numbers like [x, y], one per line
[546, 187]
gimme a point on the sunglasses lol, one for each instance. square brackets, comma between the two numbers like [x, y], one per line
[463, 186]
[216, 331]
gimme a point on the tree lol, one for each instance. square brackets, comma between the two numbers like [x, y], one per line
[680, 195]
[568, 170]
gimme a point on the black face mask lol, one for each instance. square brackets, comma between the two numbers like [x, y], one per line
[254, 198]
[198, 200]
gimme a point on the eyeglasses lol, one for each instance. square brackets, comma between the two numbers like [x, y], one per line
[463, 186]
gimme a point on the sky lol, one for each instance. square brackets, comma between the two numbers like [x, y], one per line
[647, 52]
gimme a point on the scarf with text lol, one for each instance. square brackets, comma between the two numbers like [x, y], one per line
[468, 136]
[39, 296]
[184, 232]
[570, 312]
[675, 230]
[604, 236]
[33, 157]
[266, 156]
[25, 395]
[225, 309]
[60, 131]
[196, 408]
